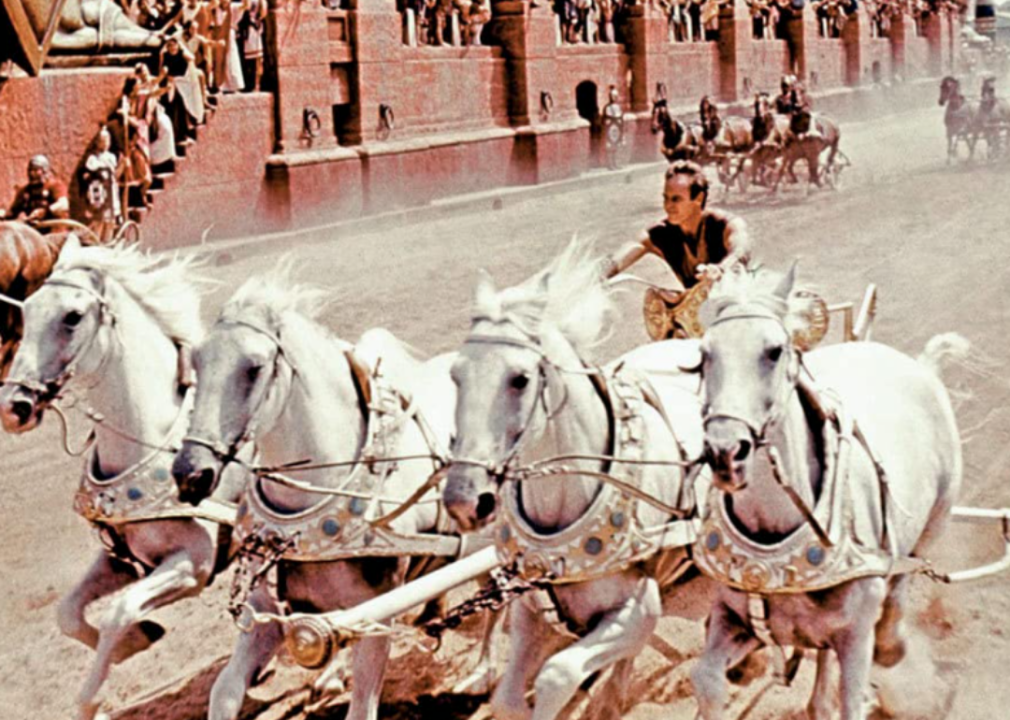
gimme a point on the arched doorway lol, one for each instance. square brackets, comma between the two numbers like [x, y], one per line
[588, 105]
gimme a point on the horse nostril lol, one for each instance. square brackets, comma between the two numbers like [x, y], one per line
[742, 451]
[485, 505]
[22, 409]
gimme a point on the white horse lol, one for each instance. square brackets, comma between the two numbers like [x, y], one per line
[270, 374]
[526, 396]
[109, 323]
[813, 546]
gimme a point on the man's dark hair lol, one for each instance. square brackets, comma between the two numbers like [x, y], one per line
[699, 183]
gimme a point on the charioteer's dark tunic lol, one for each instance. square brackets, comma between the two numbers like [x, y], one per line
[684, 253]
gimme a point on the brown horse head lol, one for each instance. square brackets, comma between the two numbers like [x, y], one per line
[26, 259]
[950, 88]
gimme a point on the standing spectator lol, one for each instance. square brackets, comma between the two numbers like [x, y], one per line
[144, 105]
[585, 11]
[193, 11]
[227, 63]
[137, 156]
[474, 14]
[439, 13]
[102, 170]
[183, 101]
[250, 37]
[202, 49]
[42, 198]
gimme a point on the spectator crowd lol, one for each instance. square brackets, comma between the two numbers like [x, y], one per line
[211, 47]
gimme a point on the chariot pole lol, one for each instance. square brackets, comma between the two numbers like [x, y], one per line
[312, 639]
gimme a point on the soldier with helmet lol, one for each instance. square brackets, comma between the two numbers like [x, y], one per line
[43, 198]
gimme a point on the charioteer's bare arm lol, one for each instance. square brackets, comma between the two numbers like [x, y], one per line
[626, 256]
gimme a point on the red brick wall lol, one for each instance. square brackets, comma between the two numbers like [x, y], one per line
[766, 61]
[916, 54]
[692, 71]
[435, 89]
[56, 114]
[876, 50]
[826, 57]
[221, 181]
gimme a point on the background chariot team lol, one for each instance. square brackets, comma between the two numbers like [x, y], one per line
[344, 483]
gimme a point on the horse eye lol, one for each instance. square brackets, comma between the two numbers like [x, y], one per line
[253, 373]
[519, 382]
[774, 353]
[72, 318]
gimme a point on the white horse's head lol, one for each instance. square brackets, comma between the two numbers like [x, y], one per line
[72, 322]
[750, 367]
[507, 372]
[245, 379]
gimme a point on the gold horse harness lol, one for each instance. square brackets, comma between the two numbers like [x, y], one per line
[821, 553]
[343, 525]
[610, 536]
[144, 492]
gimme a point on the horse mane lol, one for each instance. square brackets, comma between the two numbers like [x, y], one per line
[164, 287]
[575, 301]
[758, 287]
[268, 298]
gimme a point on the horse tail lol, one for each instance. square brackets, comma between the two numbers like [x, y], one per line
[944, 349]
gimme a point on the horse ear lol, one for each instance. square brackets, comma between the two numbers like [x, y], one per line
[71, 246]
[544, 284]
[786, 285]
[485, 294]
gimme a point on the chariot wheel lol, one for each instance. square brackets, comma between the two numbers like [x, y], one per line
[128, 232]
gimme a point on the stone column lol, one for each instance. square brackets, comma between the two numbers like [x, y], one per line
[299, 72]
[645, 38]
[899, 33]
[735, 38]
[855, 37]
[932, 27]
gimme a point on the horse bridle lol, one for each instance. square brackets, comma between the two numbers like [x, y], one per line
[499, 471]
[758, 431]
[229, 453]
[50, 390]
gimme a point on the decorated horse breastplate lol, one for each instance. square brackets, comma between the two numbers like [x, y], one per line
[609, 536]
[338, 527]
[144, 492]
[800, 563]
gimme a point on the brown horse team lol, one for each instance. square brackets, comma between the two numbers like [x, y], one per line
[758, 149]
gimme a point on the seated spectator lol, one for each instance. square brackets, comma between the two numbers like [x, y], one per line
[102, 170]
[43, 197]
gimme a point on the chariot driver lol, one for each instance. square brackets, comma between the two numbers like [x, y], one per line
[711, 123]
[988, 93]
[695, 242]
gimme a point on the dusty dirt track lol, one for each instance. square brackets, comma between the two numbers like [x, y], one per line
[935, 239]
